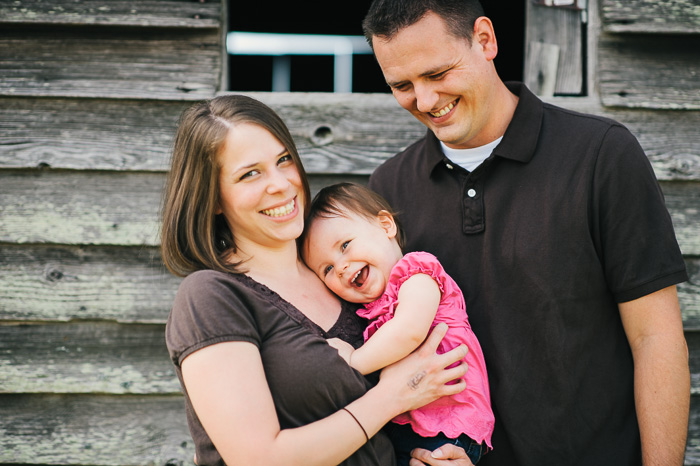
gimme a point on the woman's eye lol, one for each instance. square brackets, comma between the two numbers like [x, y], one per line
[248, 174]
[284, 158]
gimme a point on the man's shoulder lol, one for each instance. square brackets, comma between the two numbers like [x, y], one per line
[404, 160]
[580, 119]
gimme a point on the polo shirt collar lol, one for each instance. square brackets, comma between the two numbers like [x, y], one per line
[519, 141]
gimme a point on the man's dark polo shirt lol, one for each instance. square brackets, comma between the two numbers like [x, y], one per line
[563, 221]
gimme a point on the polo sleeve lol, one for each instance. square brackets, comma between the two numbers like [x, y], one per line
[633, 228]
[208, 309]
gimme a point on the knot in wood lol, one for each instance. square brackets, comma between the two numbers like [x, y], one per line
[54, 275]
[322, 136]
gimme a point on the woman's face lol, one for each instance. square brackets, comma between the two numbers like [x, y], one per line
[261, 192]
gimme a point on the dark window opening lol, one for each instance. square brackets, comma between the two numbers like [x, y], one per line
[315, 73]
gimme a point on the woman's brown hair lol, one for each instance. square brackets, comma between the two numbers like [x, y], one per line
[193, 237]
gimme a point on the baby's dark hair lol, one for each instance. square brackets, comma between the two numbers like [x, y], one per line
[333, 200]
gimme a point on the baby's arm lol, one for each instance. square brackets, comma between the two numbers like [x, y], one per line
[419, 297]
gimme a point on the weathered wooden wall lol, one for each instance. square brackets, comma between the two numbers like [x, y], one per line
[649, 67]
[90, 92]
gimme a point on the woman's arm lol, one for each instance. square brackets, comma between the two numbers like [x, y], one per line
[226, 384]
[419, 297]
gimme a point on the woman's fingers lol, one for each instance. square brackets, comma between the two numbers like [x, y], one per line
[446, 455]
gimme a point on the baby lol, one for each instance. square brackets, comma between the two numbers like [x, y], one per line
[352, 241]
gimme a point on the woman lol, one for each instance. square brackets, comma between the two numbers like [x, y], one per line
[248, 328]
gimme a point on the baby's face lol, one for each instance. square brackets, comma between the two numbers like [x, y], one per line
[353, 255]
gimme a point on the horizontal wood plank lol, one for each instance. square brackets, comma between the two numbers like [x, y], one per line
[150, 13]
[658, 16]
[94, 430]
[175, 64]
[649, 71]
[118, 208]
[125, 431]
[109, 358]
[85, 357]
[87, 134]
[64, 283]
[335, 133]
[80, 207]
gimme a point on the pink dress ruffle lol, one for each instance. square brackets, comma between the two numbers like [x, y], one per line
[468, 412]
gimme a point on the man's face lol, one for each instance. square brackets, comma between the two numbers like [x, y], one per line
[444, 81]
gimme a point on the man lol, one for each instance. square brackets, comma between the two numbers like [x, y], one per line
[555, 228]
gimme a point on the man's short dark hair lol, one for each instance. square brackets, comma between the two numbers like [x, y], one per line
[386, 18]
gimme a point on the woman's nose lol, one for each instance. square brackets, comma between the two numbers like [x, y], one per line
[277, 181]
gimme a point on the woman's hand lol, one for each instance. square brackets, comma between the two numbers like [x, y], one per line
[421, 377]
[446, 455]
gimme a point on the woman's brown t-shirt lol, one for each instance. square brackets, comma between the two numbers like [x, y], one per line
[307, 378]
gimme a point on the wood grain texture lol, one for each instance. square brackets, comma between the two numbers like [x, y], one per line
[560, 27]
[94, 430]
[335, 134]
[86, 134]
[647, 71]
[175, 64]
[142, 13]
[103, 208]
[64, 283]
[85, 357]
[80, 207]
[651, 17]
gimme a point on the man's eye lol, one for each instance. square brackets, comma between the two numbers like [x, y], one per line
[327, 270]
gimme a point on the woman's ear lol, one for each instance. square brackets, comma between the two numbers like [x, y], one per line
[386, 221]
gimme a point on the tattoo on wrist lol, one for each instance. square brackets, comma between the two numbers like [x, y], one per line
[416, 380]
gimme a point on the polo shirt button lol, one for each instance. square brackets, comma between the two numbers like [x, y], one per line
[449, 167]
[471, 193]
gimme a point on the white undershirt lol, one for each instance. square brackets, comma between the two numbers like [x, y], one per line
[469, 159]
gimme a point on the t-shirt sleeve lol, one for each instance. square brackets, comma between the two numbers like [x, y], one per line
[419, 262]
[633, 232]
[209, 308]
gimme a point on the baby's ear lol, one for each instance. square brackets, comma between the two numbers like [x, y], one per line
[386, 221]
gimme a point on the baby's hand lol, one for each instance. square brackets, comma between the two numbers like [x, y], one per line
[344, 348]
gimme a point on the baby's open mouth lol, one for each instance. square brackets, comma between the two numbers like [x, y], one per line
[360, 277]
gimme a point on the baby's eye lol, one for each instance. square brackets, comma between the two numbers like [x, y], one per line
[344, 245]
[327, 270]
